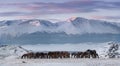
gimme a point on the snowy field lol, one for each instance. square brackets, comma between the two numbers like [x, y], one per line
[60, 62]
[10, 55]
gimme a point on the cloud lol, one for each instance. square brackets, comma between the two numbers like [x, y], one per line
[66, 7]
[105, 17]
[12, 13]
[44, 8]
[98, 17]
[79, 6]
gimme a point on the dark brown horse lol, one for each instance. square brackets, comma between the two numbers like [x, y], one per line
[39, 55]
[79, 54]
[90, 54]
[65, 54]
[59, 54]
[28, 55]
[94, 54]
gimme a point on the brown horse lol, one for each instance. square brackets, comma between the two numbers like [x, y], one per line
[74, 55]
[65, 54]
[94, 54]
[28, 55]
[90, 54]
[79, 54]
[58, 54]
[85, 55]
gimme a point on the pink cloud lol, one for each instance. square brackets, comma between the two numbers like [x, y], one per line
[26, 17]
[105, 17]
[30, 7]
[98, 17]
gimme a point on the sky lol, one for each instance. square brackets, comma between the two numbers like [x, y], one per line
[60, 9]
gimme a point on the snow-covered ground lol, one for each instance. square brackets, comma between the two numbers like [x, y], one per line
[60, 62]
[10, 55]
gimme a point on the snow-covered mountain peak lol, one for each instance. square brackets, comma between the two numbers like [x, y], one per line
[76, 19]
[35, 23]
[71, 19]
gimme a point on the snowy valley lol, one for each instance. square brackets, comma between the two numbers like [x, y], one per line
[11, 54]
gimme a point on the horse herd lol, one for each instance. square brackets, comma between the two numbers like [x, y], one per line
[60, 54]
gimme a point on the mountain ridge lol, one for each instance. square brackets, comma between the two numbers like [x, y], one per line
[77, 25]
[45, 32]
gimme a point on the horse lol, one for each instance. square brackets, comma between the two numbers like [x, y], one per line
[28, 55]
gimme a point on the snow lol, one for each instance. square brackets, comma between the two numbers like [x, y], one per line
[7, 51]
[60, 62]
[99, 47]
[12, 58]
[36, 23]
[71, 19]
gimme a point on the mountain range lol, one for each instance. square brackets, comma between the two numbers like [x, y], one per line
[75, 30]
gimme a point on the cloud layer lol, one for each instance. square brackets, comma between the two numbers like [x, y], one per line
[38, 8]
